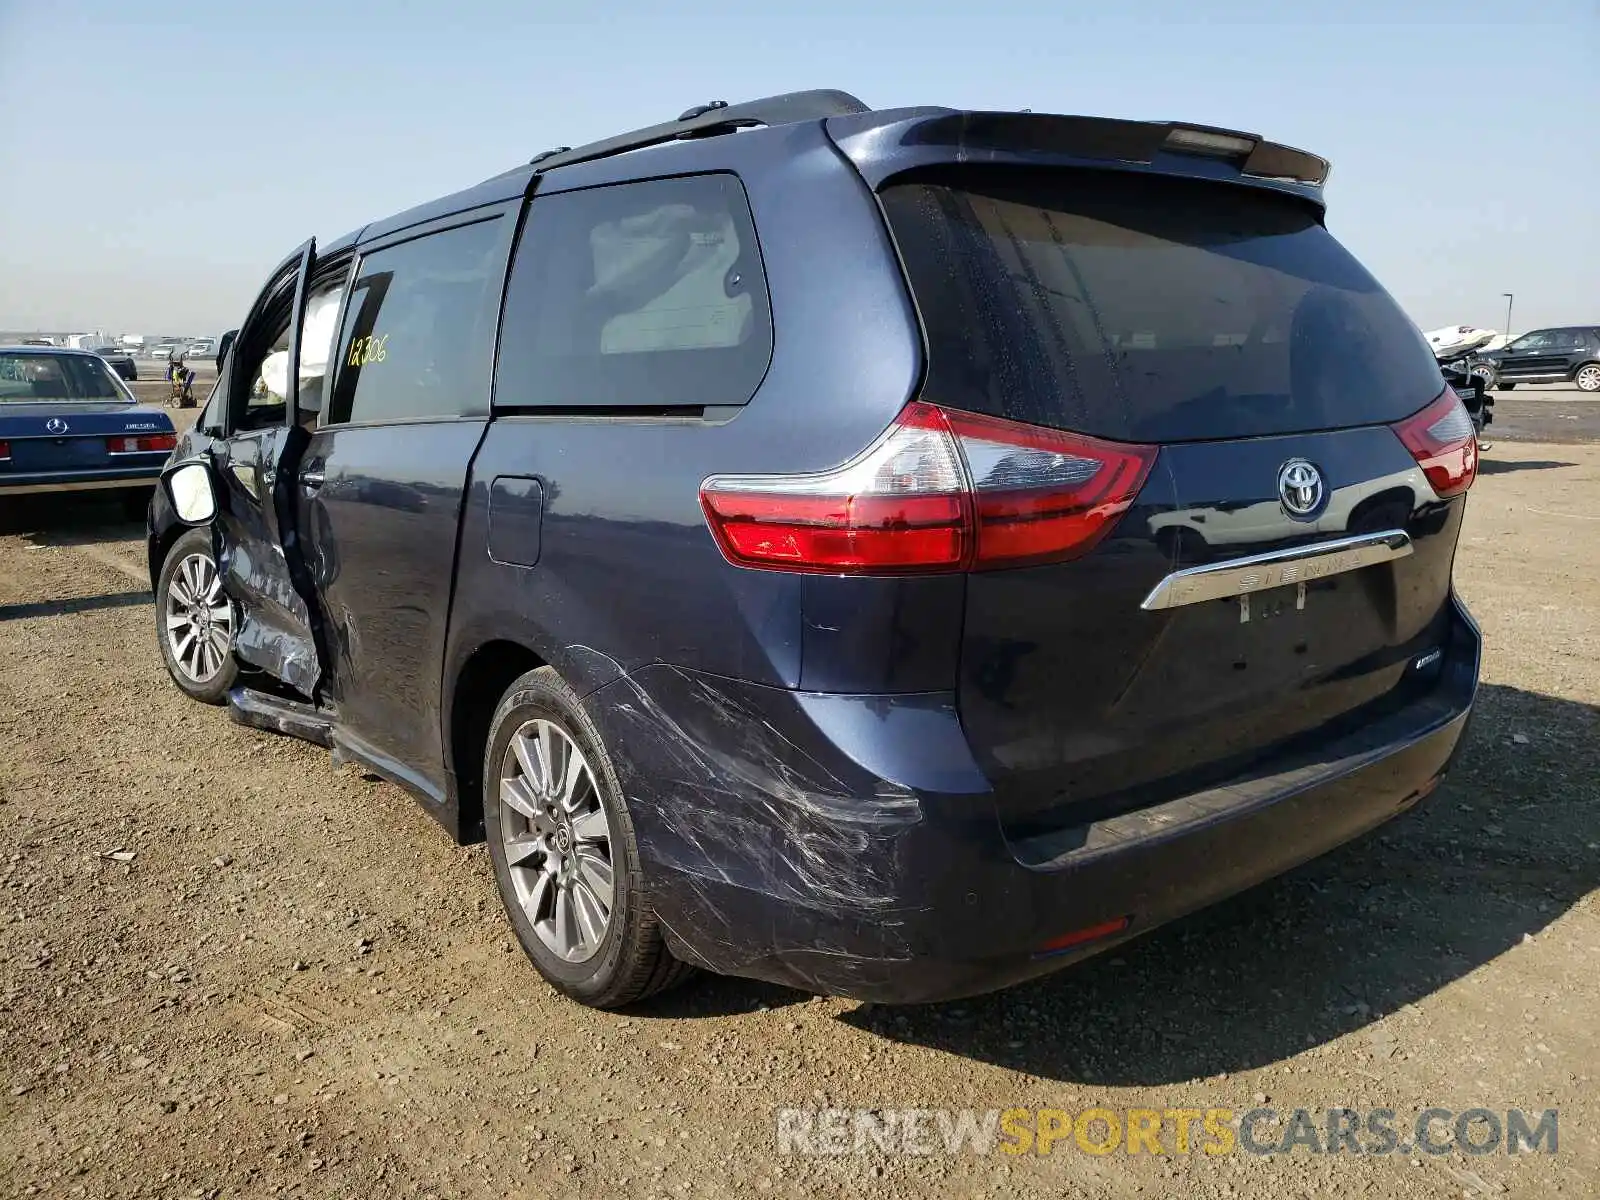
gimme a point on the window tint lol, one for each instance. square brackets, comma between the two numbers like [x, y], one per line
[637, 295]
[418, 331]
[1149, 308]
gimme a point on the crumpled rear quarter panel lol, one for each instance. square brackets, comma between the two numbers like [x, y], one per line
[786, 835]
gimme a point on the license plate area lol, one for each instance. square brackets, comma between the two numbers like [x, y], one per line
[1271, 604]
[53, 454]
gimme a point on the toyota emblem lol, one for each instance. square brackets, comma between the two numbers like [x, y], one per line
[55, 425]
[1300, 487]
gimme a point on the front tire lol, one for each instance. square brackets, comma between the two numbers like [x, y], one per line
[1587, 377]
[566, 860]
[195, 621]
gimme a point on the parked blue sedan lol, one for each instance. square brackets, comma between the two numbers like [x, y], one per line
[67, 424]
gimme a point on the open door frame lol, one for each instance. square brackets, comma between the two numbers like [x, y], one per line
[280, 629]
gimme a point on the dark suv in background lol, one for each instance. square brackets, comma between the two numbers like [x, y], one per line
[893, 553]
[1567, 355]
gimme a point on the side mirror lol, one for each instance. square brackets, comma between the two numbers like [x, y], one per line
[190, 490]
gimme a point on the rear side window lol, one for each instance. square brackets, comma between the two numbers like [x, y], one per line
[636, 295]
[1149, 308]
[418, 334]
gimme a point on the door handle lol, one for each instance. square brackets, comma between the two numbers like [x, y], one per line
[312, 479]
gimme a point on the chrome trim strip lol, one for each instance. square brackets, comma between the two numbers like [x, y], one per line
[1240, 576]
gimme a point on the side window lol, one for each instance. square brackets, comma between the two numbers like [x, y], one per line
[317, 330]
[266, 356]
[636, 295]
[263, 355]
[211, 416]
[418, 331]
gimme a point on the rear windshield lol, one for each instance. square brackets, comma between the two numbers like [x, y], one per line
[1149, 308]
[31, 378]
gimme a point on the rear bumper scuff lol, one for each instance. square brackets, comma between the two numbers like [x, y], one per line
[848, 844]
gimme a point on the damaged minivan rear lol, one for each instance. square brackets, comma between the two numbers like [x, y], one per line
[1201, 484]
[896, 553]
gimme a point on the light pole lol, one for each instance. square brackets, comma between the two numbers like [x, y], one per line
[1509, 298]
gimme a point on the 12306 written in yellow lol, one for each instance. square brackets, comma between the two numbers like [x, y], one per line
[366, 350]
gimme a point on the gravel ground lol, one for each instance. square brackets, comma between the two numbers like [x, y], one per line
[232, 968]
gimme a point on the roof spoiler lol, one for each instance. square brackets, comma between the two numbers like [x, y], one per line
[997, 136]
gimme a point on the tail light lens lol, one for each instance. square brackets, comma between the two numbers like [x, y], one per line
[147, 443]
[1442, 440]
[5, 451]
[1043, 495]
[939, 491]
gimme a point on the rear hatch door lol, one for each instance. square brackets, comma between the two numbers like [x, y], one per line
[1287, 561]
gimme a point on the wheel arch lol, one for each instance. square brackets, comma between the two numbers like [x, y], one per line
[475, 693]
[158, 545]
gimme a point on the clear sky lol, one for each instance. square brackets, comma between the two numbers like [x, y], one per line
[159, 156]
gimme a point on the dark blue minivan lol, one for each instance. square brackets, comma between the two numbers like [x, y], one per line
[891, 553]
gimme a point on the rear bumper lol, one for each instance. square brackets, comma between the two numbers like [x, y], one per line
[81, 481]
[847, 844]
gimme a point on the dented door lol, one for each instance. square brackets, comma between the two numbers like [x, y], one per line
[257, 463]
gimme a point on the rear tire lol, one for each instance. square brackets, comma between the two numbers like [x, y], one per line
[1504, 387]
[1587, 377]
[184, 587]
[564, 850]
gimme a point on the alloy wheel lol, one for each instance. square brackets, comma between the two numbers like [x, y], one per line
[1589, 378]
[199, 619]
[557, 840]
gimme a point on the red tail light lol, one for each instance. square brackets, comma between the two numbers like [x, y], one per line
[1441, 439]
[147, 443]
[5, 451]
[939, 491]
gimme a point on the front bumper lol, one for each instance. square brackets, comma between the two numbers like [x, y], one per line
[847, 844]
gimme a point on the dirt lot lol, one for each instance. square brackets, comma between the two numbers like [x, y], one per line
[231, 968]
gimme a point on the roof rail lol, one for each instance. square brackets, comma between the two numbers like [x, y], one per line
[716, 117]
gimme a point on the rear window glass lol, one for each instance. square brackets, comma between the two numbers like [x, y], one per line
[1149, 308]
[31, 378]
[643, 294]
